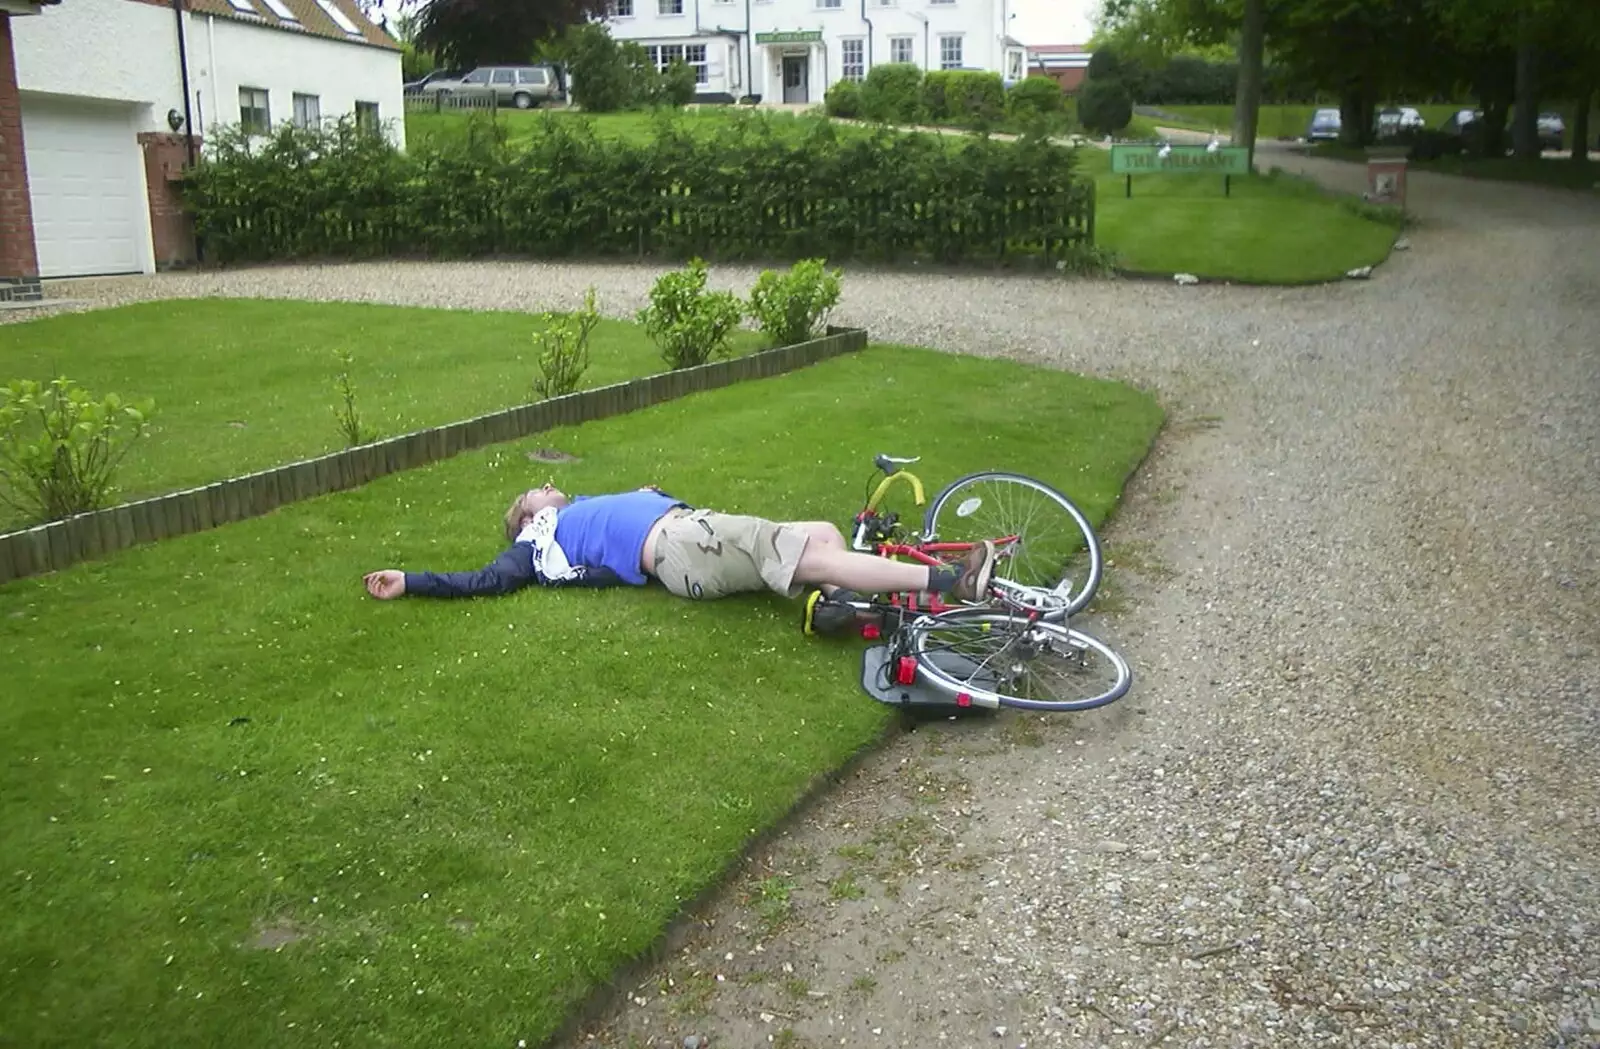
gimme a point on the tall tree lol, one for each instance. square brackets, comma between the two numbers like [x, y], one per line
[466, 33]
[1247, 95]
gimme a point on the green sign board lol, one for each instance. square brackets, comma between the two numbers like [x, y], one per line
[1155, 160]
[801, 36]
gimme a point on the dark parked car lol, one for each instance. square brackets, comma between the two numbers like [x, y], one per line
[1552, 130]
[1324, 126]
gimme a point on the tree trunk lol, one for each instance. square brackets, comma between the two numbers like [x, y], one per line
[1525, 119]
[1580, 125]
[1247, 90]
[1355, 115]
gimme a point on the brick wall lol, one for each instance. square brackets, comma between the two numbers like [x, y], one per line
[19, 263]
[171, 228]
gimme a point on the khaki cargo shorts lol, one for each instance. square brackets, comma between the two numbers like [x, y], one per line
[704, 554]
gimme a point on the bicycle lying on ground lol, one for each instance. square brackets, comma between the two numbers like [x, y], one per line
[1014, 646]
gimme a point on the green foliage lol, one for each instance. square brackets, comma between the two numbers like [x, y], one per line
[1035, 96]
[752, 188]
[843, 100]
[1104, 106]
[564, 348]
[60, 447]
[415, 64]
[346, 413]
[677, 84]
[963, 96]
[892, 93]
[609, 75]
[1087, 260]
[1104, 64]
[794, 306]
[689, 323]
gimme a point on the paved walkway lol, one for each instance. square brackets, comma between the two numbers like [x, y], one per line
[1352, 800]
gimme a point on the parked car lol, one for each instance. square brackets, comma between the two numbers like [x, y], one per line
[1396, 120]
[415, 87]
[521, 86]
[1552, 131]
[1324, 127]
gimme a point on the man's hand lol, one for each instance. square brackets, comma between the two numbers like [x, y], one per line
[386, 585]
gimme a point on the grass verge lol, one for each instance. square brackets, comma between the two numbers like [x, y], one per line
[1269, 229]
[243, 804]
[243, 385]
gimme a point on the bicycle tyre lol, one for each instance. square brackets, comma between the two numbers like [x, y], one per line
[934, 664]
[945, 521]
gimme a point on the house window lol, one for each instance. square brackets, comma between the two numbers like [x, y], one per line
[307, 110]
[852, 59]
[940, 3]
[621, 8]
[693, 55]
[254, 115]
[950, 52]
[830, 4]
[367, 116]
[244, 7]
[278, 8]
[670, 7]
[1014, 65]
[340, 19]
[901, 49]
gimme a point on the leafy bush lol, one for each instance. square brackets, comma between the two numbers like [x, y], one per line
[746, 187]
[964, 96]
[793, 307]
[564, 348]
[843, 100]
[1035, 96]
[676, 84]
[60, 447]
[689, 323]
[892, 93]
[345, 413]
[1104, 106]
[607, 74]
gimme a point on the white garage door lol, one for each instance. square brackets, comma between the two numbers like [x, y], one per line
[86, 180]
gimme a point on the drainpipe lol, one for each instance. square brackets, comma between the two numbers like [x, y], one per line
[211, 59]
[183, 70]
[749, 54]
[867, 20]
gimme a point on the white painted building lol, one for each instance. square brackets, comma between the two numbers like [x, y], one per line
[792, 51]
[107, 124]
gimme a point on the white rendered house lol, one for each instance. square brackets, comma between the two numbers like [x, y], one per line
[792, 51]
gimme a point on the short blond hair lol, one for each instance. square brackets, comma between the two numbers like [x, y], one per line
[516, 517]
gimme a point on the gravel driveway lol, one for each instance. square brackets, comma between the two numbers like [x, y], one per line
[1353, 798]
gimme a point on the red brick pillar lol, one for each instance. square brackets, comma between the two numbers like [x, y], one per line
[19, 263]
[171, 227]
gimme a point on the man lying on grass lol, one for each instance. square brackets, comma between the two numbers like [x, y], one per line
[633, 537]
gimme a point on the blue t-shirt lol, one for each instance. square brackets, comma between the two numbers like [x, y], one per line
[608, 531]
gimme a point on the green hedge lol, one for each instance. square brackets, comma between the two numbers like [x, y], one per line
[963, 95]
[745, 190]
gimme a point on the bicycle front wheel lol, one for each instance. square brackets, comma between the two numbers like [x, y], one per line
[1051, 543]
[1001, 660]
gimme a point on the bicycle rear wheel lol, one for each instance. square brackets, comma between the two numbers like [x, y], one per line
[1054, 543]
[1011, 661]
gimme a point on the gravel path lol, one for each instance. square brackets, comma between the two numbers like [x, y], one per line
[1353, 799]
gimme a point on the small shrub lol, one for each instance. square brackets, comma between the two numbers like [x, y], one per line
[564, 349]
[60, 447]
[1087, 260]
[792, 307]
[1035, 96]
[690, 324]
[843, 100]
[934, 95]
[607, 74]
[677, 85]
[1383, 214]
[1104, 106]
[973, 96]
[892, 93]
[345, 413]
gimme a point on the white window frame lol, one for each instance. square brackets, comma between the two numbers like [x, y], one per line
[665, 8]
[853, 70]
[945, 40]
[910, 43]
[941, 3]
[830, 5]
[307, 115]
[340, 19]
[1016, 64]
[376, 120]
[244, 7]
[265, 98]
[280, 9]
[661, 56]
[620, 9]
[702, 67]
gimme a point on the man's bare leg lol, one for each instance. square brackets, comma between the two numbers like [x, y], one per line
[829, 563]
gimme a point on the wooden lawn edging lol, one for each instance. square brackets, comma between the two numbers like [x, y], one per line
[87, 537]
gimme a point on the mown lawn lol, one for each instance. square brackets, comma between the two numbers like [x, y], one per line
[1275, 229]
[245, 805]
[637, 127]
[242, 385]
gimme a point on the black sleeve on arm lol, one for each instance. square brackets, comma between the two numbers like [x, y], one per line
[509, 572]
